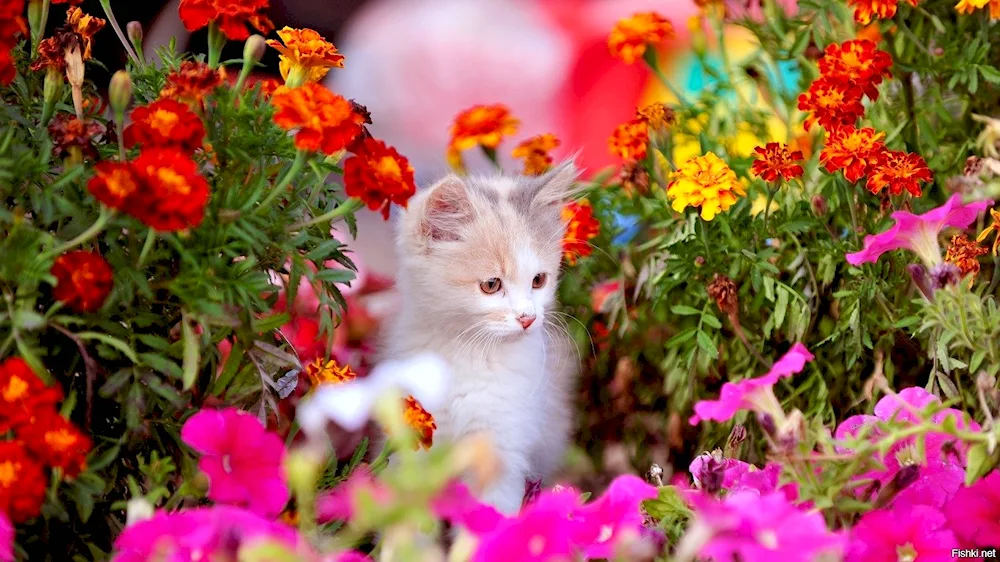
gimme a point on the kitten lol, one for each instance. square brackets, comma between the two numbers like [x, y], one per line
[479, 263]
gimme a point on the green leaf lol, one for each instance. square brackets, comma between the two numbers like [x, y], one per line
[978, 463]
[681, 337]
[705, 343]
[780, 308]
[990, 74]
[710, 320]
[667, 505]
[977, 360]
[684, 310]
[192, 353]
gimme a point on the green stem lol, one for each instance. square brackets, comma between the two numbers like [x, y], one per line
[293, 172]
[767, 208]
[650, 58]
[120, 123]
[106, 4]
[704, 237]
[340, 211]
[849, 201]
[216, 40]
[147, 247]
[94, 230]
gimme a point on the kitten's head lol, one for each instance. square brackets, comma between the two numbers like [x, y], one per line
[482, 254]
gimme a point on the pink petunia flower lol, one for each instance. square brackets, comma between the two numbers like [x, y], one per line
[751, 527]
[931, 480]
[350, 556]
[217, 532]
[712, 473]
[752, 394]
[918, 533]
[6, 539]
[974, 513]
[342, 502]
[544, 531]
[615, 515]
[243, 461]
[919, 233]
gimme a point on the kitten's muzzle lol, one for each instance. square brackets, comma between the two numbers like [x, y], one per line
[526, 320]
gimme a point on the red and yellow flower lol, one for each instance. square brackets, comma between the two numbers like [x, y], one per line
[898, 171]
[657, 116]
[232, 16]
[832, 104]
[535, 152]
[12, 25]
[630, 141]
[964, 254]
[113, 183]
[630, 37]
[970, 6]
[481, 125]
[56, 442]
[866, 10]
[327, 371]
[775, 160]
[421, 421]
[379, 176]
[852, 150]
[165, 123]
[22, 483]
[22, 392]
[192, 82]
[305, 55]
[706, 182]
[993, 228]
[322, 121]
[581, 227]
[857, 62]
[83, 280]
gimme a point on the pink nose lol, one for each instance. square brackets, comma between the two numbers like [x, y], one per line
[526, 320]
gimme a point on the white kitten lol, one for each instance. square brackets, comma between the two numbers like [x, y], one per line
[479, 263]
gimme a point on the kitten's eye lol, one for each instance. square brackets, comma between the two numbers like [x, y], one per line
[490, 286]
[539, 281]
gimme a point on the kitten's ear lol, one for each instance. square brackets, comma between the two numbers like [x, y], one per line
[557, 186]
[447, 209]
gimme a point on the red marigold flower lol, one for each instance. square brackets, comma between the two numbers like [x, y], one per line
[323, 120]
[482, 125]
[69, 134]
[421, 421]
[165, 123]
[857, 62]
[83, 280]
[174, 194]
[535, 152]
[22, 483]
[964, 254]
[379, 176]
[865, 10]
[630, 141]
[56, 442]
[630, 36]
[831, 103]
[113, 183]
[71, 2]
[192, 82]
[11, 25]
[899, 170]
[268, 87]
[774, 160]
[232, 16]
[852, 150]
[581, 227]
[22, 392]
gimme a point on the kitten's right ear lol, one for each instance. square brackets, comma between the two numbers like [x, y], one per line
[447, 209]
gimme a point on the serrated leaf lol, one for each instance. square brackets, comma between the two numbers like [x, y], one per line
[705, 343]
[681, 337]
[710, 320]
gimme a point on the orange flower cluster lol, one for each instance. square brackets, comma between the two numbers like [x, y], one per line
[964, 254]
[165, 123]
[162, 188]
[192, 82]
[581, 227]
[70, 135]
[323, 120]
[898, 171]
[232, 16]
[866, 10]
[630, 37]
[11, 25]
[852, 150]
[305, 55]
[321, 371]
[630, 141]
[41, 438]
[480, 125]
[535, 152]
[83, 280]
[775, 160]
[379, 176]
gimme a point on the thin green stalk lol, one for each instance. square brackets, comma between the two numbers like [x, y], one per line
[767, 207]
[704, 237]
[38, 34]
[106, 4]
[293, 172]
[349, 206]
[650, 58]
[120, 124]
[147, 247]
[849, 201]
[86, 235]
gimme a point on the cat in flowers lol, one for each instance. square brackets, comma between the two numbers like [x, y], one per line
[479, 264]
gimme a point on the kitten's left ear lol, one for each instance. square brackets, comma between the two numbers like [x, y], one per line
[557, 186]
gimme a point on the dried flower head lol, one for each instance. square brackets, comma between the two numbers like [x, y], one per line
[657, 116]
[322, 120]
[232, 16]
[706, 182]
[165, 123]
[535, 152]
[852, 150]
[83, 280]
[775, 160]
[421, 421]
[581, 227]
[630, 141]
[328, 371]
[725, 293]
[378, 175]
[85, 26]
[305, 55]
[192, 82]
[964, 254]
[634, 178]
[630, 37]
[898, 171]
[70, 134]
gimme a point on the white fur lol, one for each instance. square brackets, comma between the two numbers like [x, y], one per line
[513, 383]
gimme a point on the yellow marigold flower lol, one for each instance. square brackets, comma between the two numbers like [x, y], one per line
[630, 36]
[421, 421]
[993, 228]
[969, 6]
[964, 254]
[630, 141]
[706, 182]
[657, 116]
[535, 152]
[482, 125]
[305, 56]
[328, 372]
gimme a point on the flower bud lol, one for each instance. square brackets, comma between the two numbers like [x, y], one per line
[819, 205]
[53, 92]
[134, 30]
[919, 275]
[736, 437]
[120, 91]
[254, 49]
[35, 11]
[944, 275]
[709, 472]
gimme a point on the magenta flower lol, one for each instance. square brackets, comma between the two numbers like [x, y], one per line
[456, 504]
[974, 513]
[243, 461]
[751, 527]
[615, 515]
[712, 474]
[351, 556]
[918, 533]
[753, 394]
[341, 503]
[543, 531]
[206, 533]
[939, 474]
[6, 539]
[919, 233]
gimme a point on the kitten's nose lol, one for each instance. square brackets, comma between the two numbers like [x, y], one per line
[526, 320]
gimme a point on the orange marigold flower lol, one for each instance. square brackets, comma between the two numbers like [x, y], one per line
[232, 16]
[268, 87]
[964, 254]
[379, 176]
[69, 134]
[56, 442]
[581, 227]
[22, 392]
[993, 228]
[898, 170]
[322, 120]
[421, 421]
[852, 150]
[535, 152]
[657, 116]
[774, 160]
[83, 280]
[857, 62]
[630, 141]
[305, 55]
[86, 26]
[192, 82]
[328, 371]
[831, 103]
[165, 123]
[482, 125]
[630, 36]
[865, 10]
[22, 483]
